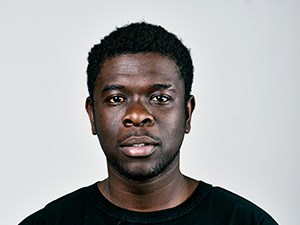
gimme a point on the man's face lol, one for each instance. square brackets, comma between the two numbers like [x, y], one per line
[139, 114]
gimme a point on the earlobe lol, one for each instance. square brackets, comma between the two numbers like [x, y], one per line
[90, 110]
[190, 106]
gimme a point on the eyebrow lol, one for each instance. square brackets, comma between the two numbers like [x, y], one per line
[163, 87]
[112, 87]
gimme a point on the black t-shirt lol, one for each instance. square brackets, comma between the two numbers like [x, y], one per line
[207, 206]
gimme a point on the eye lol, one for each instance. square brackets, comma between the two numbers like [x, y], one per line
[115, 100]
[161, 99]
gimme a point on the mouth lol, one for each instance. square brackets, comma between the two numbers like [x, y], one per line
[139, 146]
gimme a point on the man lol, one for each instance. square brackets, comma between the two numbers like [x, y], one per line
[140, 107]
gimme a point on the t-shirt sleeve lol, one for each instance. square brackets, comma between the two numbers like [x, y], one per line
[267, 220]
[238, 210]
[34, 219]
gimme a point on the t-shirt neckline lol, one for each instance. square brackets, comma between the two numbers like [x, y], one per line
[119, 213]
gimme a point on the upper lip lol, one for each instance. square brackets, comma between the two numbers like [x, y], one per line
[133, 140]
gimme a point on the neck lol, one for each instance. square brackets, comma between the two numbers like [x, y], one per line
[167, 190]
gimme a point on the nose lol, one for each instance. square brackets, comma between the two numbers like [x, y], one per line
[137, 115]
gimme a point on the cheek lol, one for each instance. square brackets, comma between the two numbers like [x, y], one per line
[107, 123]
[173, 125]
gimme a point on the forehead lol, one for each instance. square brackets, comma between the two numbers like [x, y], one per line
[139, 67]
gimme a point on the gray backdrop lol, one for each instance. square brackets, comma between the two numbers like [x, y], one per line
[245, 133]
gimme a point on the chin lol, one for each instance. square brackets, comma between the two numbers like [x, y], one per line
[142, 177]
[140, 174]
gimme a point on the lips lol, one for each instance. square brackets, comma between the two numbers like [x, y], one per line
[139, 146]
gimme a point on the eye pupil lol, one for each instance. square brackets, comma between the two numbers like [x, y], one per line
[116, 99]
[161, 99]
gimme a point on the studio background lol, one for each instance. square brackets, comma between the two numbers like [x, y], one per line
[245, 129]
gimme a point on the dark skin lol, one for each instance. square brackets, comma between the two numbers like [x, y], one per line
[140, 117]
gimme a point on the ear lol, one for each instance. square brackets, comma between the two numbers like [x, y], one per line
[90, 110]
[190, 106]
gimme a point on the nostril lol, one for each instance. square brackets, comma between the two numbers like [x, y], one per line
[127, 122]
[146, 121]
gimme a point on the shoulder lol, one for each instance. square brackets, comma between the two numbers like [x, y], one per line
[232, 199]
[71, 197]
[69, 203]
[237, 208]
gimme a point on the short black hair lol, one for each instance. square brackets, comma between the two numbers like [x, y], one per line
[140, 37]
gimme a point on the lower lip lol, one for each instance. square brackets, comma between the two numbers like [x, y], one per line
[138, 151]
